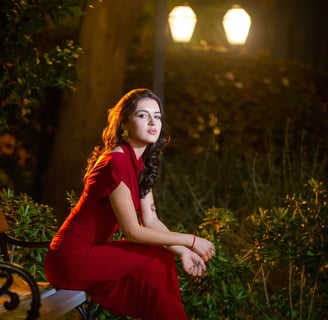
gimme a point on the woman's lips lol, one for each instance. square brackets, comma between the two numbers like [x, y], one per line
[152, 131]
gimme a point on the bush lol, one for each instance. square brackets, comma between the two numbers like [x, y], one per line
[29, 63]
[28, 221]
[278, 272]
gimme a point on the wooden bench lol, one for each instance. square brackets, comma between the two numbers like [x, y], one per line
[21, 297]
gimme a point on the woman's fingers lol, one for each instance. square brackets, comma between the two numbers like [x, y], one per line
[204, 248]
[208, 254]
[198, 269]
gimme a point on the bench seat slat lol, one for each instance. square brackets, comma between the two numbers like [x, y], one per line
[54, 304]
[61, 302]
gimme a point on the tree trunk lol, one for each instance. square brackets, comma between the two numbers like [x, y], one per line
[104, 36]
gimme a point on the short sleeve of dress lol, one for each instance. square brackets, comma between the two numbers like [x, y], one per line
[107, 175]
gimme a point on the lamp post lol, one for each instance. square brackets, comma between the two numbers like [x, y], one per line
[236, 24]
[182, 21]
[159, 48]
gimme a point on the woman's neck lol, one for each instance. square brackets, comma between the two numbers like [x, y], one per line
[138, 150]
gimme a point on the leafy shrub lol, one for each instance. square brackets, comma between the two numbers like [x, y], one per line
[290, 252]
[222, 294]
[279, 270]
[29, 221]
[29, 64]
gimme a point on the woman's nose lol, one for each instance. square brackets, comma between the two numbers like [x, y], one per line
[151, 120]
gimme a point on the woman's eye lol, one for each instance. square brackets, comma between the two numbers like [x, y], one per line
[142, 115]
[145, 115]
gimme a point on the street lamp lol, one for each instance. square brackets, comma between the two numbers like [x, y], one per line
[182, 21]
[236, 23]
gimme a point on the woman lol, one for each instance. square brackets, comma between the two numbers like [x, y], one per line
[134, 277]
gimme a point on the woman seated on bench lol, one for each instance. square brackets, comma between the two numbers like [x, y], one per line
[137, 276]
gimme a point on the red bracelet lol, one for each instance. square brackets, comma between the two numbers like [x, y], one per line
[193, 242]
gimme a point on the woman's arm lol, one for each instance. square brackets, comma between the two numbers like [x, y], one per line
[150, 219]
[123, 207]
[153, 231]
[192, 263]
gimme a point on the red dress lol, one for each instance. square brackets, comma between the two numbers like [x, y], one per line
[126, 278]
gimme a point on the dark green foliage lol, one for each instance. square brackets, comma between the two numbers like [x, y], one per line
[278, 272]
[290, 246]
[28, 65]
[222, 294]
[29, 221]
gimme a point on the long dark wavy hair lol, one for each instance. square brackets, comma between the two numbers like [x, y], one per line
[112, 137]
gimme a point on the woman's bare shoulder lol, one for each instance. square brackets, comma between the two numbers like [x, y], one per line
[117, 149]
[112, 154]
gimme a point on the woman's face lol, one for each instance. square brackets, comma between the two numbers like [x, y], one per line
[144, 124]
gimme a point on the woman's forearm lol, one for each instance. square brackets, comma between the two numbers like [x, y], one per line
[158, 225]
[147, 235]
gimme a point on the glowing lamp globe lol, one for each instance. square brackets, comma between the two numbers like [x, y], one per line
[236, 23]
[182, 21]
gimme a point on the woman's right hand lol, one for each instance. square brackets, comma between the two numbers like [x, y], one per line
[203, 248]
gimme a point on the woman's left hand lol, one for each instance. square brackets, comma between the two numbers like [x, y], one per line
[193, 264]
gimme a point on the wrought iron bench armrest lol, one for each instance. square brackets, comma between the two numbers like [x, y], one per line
[5, 239]
[7, 270]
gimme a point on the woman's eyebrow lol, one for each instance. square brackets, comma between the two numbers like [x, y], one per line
[142, 110]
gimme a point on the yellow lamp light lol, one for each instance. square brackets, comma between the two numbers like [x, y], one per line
[182, 22]
[236, 23]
